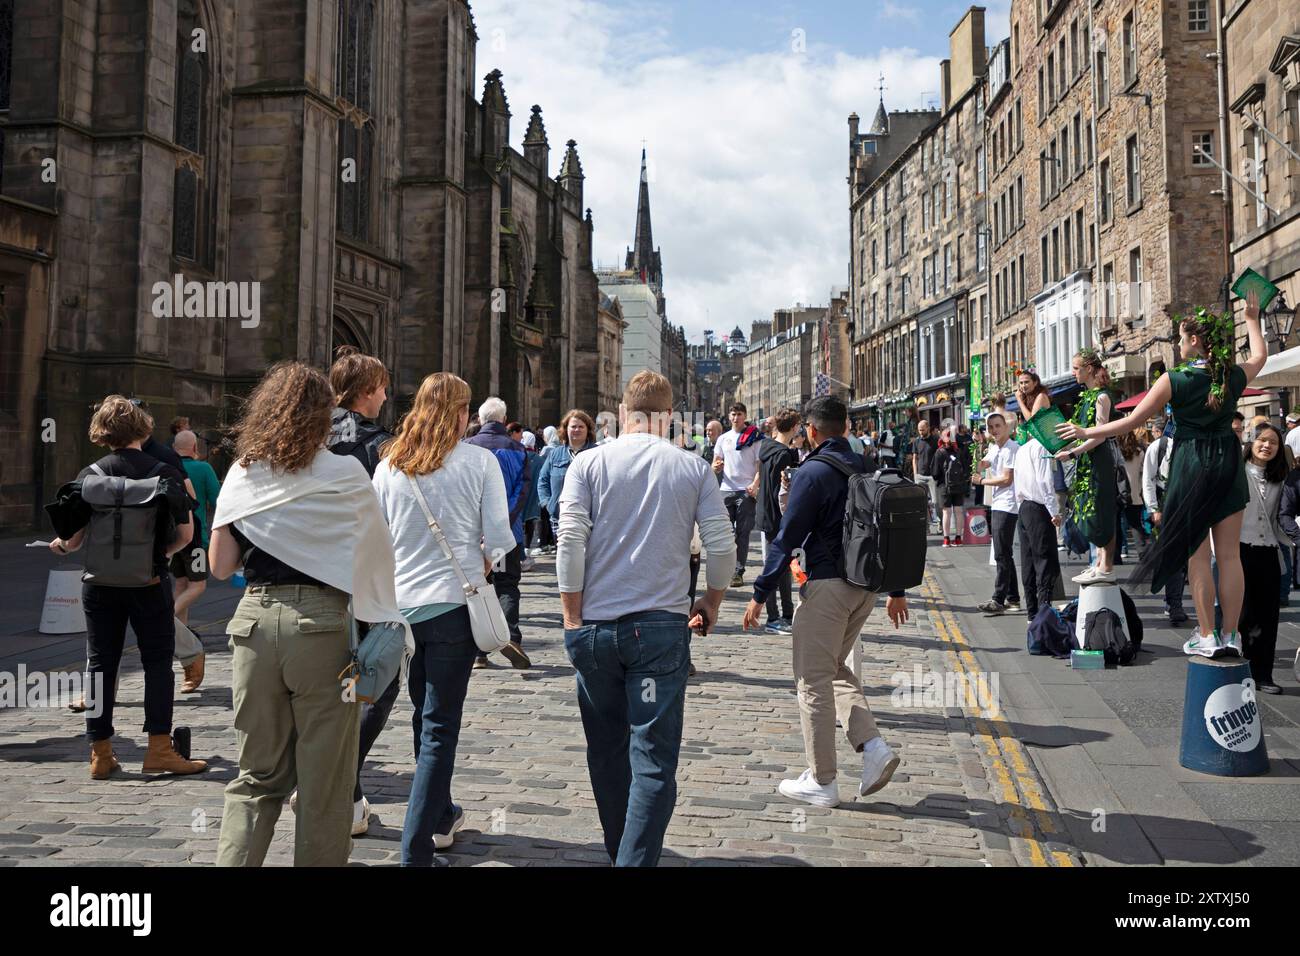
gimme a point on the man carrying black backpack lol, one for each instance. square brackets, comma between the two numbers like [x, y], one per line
[131, 513]
[830, 618]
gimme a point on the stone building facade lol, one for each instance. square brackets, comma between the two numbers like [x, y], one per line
[338, 162]
[1262, 64]
[917, 256]
[786, 357]
[1120, 232]
[609, 348]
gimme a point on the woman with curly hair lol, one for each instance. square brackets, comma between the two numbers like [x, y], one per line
[1207, 491]
[577, 434]
[1030, 394]
[307, 528]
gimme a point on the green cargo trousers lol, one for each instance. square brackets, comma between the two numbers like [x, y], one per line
[294, 725]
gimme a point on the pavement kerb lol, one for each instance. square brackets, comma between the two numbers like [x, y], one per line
[1022, 790]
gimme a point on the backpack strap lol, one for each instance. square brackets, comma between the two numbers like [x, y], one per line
[99, 471]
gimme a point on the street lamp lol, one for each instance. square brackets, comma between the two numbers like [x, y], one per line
[1281, 319]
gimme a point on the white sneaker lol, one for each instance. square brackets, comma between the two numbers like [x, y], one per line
[293, 802]
[1086, 576]
[443, 841]
[1232, 643]
[878, 766]
[807, 789]
[360, 817]
[1103, 577]
[1206, 645]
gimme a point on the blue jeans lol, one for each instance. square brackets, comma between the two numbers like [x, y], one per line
[632, 695]
[439, 677]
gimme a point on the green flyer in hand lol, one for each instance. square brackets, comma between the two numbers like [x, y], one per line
[1043, 427]
[1251, 281]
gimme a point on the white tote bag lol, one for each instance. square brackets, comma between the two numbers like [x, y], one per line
[486, 619]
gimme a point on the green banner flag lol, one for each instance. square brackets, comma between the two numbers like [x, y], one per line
[976, 384]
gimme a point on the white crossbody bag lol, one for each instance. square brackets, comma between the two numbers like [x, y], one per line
[486, 619]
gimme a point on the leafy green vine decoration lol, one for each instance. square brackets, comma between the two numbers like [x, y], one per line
[1221, 338]
[1082, 493]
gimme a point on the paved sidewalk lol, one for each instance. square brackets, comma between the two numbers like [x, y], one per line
[964, 795]
[1106, 742]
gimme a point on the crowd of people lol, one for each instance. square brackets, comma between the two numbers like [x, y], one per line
[345, 532]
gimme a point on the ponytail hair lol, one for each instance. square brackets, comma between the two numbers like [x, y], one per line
[1218, 335]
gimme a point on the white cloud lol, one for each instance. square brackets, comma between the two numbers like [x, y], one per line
[749, 151]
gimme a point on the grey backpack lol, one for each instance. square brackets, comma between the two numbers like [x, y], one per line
[123, 526]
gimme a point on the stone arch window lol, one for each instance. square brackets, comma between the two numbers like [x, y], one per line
[355, 73]
[192, 200]
[345, 331]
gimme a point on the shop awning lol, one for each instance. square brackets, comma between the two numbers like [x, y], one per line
[1130, 403]
[1281, 370]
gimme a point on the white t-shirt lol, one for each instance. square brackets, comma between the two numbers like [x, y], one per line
[1293, 441]
[739, 465]
[1000, 461]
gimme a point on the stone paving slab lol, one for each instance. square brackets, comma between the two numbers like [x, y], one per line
[959, 797]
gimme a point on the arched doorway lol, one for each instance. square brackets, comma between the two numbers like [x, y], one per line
[346, 331]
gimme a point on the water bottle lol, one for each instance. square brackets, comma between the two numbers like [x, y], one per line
[237, 579]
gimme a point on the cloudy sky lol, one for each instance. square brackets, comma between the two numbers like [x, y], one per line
[742, 106]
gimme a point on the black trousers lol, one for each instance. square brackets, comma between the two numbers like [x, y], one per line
[740, 509]
[506, 583]
[373, 718]
[545, 539]
[149, 611]
[1039, 565]
[1260, 607]
[1004, 534]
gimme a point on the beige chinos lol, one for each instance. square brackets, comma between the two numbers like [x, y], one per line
[296, 727]
[826, 629]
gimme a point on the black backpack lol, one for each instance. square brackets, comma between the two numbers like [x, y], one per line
[956, 480]
[885, 525]
[122, 528]
[1103, 632]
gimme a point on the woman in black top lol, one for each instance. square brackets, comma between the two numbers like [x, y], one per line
[122, 425]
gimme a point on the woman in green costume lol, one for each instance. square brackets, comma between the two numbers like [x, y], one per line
[1093, 494]
[1207, 491]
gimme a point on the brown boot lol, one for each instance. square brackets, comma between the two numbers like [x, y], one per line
[79, 705]
[102, 761]
[162, 758]
[193, 675]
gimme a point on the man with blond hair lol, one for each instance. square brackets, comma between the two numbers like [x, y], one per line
[626, 606]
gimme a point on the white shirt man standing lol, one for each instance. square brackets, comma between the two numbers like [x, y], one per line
[735, 458]
[1039, 517]
[626, 610]
[1000, 458]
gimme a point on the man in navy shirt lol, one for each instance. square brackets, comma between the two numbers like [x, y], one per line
[830, 618]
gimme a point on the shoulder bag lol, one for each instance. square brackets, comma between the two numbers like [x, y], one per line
[487, 620]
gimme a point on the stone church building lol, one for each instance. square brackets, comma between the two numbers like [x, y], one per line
[339, 165]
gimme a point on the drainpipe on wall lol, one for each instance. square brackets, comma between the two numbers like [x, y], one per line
[1096, 182]
[1225, 185]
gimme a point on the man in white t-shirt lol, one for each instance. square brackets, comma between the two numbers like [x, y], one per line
[1000, 480]
[1293, 435]
[735, 458]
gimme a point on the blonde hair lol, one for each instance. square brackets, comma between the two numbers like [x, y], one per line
[431, 429]
[287, 418]
[648, 392]
[118, 422]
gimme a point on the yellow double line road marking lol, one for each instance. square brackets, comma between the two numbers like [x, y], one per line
[1014, 777]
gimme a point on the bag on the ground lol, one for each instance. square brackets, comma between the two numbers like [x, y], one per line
[885, 524]
[1132, 621]
[1048, 634]
[487, 621]
[1070, 613]
[123, 526]
[1103, 632]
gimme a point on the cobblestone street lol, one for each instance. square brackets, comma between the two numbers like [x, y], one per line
[964, 795]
